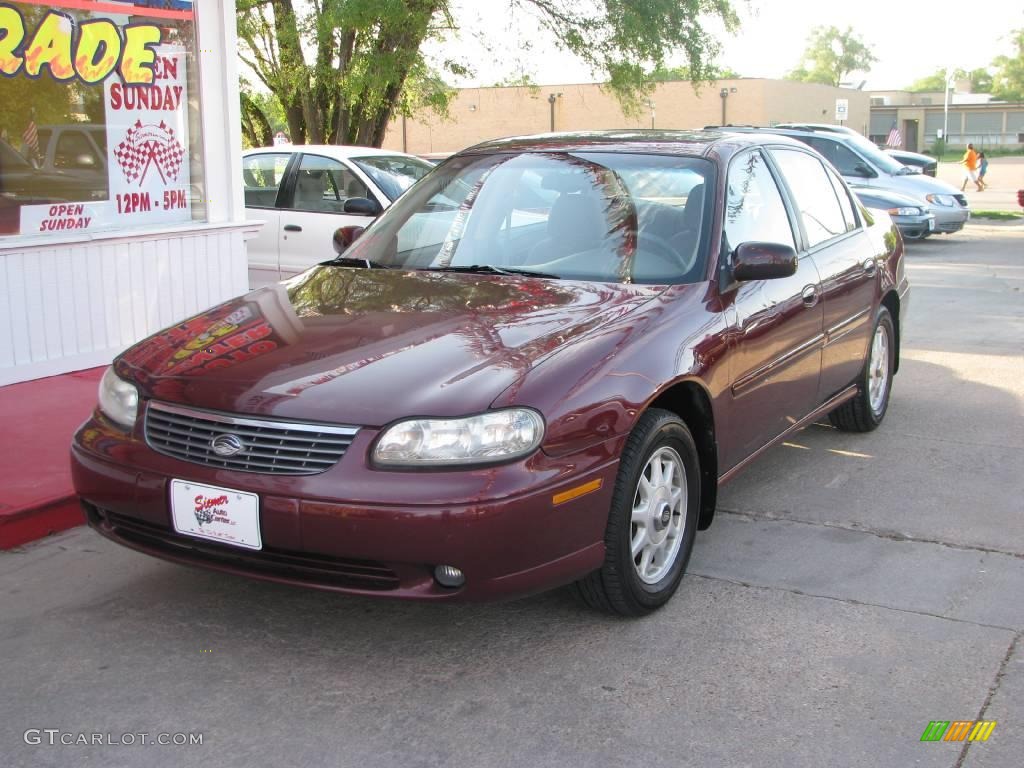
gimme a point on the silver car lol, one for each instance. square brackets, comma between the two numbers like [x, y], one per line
[863, 164]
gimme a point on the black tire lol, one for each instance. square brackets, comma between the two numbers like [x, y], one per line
[858, 415]
[617, 587]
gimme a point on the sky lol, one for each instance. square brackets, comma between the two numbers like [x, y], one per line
[910, 39]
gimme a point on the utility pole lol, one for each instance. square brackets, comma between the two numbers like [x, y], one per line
[552, 98]
[724, 93]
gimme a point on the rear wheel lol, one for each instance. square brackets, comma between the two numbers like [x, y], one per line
[652, 522]
[865, 411]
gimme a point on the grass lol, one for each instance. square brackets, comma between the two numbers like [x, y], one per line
[997, 215]
[956, 155]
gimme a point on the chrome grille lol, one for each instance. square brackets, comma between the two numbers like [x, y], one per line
[270, 447]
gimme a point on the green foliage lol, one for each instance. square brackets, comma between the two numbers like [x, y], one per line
[832, 54]
[981, 80]
[671, 74]
[341, 69]
[1008, 80]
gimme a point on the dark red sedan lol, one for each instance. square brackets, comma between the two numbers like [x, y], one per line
[535, 369]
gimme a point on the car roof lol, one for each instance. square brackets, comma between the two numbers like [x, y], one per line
[822, 127]
[337, 151]
[697, 143]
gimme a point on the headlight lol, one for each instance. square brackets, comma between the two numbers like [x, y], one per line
[119, 400]
[485, 439]
[904, 211]
[947, 200]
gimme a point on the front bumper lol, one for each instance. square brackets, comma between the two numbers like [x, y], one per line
[383, 536]
[949, 219]
[915, 227]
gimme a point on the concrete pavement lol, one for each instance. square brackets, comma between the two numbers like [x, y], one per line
[854, 588]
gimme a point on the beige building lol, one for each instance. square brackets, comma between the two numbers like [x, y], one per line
[478, 114]
[968, 118]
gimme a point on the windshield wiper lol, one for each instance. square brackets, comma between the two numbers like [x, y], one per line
[490, 269]
[347, 261]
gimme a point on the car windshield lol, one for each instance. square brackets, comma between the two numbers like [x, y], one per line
[880, 159]
[393, 174]
[598, 216]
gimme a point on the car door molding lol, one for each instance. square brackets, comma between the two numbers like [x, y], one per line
[751, 379]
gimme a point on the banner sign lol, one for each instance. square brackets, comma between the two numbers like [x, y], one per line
[142, 68]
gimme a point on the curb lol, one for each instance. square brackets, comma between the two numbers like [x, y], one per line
[39, 520]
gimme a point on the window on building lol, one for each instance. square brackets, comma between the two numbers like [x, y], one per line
[100, 125]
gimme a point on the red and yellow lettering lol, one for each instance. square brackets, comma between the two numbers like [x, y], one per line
[51, 46]
[138, 58]
[99, 48]
[12, 32]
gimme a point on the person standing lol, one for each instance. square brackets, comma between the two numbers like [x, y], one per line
[970, 164]
[982, 169]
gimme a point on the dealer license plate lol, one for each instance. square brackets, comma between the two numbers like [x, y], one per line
[218, 514]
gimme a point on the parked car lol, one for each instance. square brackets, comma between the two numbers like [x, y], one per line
[23, 183]
[535, 368]
[861, 162]
[911, 217]
[304, 193]
[915, 161]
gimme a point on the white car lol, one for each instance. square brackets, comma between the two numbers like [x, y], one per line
[303, 193]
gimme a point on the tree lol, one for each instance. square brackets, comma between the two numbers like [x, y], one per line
[830, 55]
[1008, 80]
[670, 74]
[981, 80]
[342, 69]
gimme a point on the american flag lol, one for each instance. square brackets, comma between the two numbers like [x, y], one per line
[30, 136]
[895, 139]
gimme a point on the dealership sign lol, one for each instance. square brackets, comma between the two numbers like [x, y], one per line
[144, 105]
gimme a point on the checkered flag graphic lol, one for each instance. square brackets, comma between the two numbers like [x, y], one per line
[146, 146]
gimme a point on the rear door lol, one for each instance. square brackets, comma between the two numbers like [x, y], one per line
[843, 255]
[313, 208]
[263, 174]
[776, 358]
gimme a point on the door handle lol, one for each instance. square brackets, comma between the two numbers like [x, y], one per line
[292, 228]
[810, 295]
[869, 266]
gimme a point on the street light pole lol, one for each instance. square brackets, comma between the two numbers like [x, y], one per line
[724, 93]
[551, 101]
[945, 109]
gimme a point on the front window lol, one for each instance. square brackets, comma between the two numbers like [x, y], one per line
[99, 116]
[393, 174]
[597, 216]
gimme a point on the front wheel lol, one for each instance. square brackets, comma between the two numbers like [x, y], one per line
[865, 411]
[653, 519]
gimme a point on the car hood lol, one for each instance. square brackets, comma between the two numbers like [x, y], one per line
[368, 346]
[873, 197]
[916, 185]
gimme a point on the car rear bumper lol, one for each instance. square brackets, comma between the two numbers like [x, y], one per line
[506, 547]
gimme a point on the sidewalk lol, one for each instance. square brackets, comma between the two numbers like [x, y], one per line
[35, 478]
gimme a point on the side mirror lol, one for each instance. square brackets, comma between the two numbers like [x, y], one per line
[763, 261]
[344, 237]
[863, 171]
[363, 206]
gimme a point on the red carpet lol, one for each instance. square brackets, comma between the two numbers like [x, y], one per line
[39, 418]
